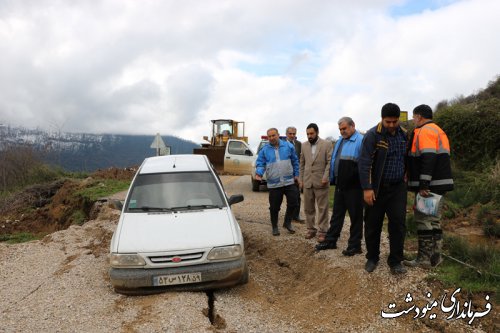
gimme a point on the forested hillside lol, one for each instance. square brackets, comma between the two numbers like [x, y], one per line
[472, 124]
[87, 152]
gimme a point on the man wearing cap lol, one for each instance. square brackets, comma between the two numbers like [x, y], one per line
[382, 176]
[429, 170]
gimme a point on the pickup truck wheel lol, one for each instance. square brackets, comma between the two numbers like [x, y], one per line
[255, 185]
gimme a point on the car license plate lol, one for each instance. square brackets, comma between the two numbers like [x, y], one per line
[169, 280]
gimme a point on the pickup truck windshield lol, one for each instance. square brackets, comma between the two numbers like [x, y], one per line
[170, 191]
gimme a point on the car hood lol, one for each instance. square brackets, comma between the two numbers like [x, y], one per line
[162, 232]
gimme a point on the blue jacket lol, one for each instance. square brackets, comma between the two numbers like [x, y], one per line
[280, 164]
[348, 175]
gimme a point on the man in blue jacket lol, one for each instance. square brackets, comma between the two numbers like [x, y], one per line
[348, 193]
[279, 161]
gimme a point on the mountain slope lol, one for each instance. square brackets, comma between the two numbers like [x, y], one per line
[88, 152]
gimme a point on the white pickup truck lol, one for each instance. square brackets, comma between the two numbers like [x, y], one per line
[239, 159]
[256, 184]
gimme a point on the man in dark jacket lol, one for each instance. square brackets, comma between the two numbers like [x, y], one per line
[291, 136]
[429, 171]
[348, 193]
[382, 173]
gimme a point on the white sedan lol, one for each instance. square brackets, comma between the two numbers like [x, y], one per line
[177, 230]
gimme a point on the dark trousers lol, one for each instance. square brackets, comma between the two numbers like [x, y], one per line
[349, 200]
[296, 214]
[276, 198]
[390, 200]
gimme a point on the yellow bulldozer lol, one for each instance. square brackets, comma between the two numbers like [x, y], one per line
[224, 132]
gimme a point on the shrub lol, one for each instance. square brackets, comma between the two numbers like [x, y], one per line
[474, 187]
[471, 124]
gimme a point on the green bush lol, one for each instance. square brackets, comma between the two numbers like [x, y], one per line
[482, 256]
[474, 187]
[472, 124]
[78, 217]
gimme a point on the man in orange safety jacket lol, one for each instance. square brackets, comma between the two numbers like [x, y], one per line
[429, 171]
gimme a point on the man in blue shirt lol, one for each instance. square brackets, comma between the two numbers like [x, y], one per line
[279, 161]
[348, 193]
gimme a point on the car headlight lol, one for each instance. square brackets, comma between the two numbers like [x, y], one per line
[128, 260]
[225, 252]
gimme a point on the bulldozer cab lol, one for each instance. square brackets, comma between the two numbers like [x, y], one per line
[225, 129]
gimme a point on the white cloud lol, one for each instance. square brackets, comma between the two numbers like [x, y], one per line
[170, 67]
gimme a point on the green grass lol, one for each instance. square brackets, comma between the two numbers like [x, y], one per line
[331, 194]
[78, 217]
[484, 277]
[20, 237]
[103, 187]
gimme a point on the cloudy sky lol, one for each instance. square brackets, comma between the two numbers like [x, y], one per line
[142, 67]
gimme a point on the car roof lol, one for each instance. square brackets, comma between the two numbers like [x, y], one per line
[174, 163]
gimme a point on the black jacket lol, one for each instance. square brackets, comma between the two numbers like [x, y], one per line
[373, 155]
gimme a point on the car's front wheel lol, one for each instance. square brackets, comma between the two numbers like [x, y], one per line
[245, 276]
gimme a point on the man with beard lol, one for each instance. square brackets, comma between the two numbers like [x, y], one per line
[279, 161]
[382, 176]
[315, 180]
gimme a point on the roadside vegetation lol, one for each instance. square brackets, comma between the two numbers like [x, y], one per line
[471, 124]
[36, 199]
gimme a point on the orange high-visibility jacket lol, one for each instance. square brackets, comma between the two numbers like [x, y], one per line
[429, 160]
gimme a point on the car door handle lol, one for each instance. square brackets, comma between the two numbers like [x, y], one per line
[228, 157]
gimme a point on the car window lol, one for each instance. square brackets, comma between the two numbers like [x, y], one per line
[236, 148]
[174, 190]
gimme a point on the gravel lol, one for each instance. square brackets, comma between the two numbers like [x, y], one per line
[61, 284]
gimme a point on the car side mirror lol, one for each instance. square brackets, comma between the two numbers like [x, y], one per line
[248, 152]
[235, 198]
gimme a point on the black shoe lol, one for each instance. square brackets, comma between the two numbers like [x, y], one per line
[276, 231]
[325, 246]
[289, 227]
[398, 269]
[299, 220]
[351, 252]
[370, 266]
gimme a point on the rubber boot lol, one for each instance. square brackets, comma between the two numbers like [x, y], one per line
[437, 247]
[425, 246]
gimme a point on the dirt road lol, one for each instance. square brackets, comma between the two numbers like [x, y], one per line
[61, 284]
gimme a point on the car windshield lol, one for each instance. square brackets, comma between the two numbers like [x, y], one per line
[174, 191]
